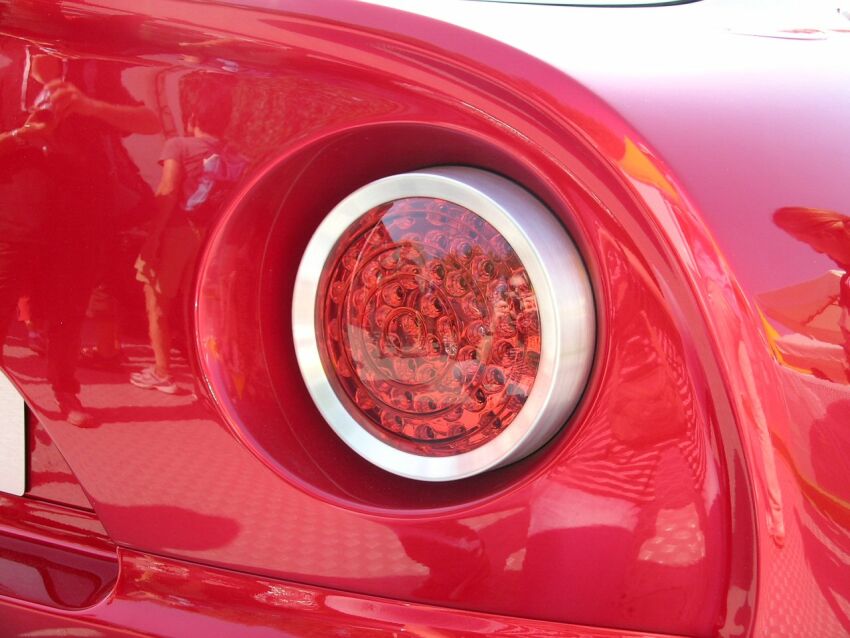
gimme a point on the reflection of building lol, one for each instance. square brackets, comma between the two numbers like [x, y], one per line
[809, 308]
[652, 420]
[266, 111]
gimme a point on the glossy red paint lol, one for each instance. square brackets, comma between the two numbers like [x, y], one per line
[49, 477]
[165, 597]
[698, 483]
[53, 556]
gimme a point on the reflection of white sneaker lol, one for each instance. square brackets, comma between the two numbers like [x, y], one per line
[148, 378]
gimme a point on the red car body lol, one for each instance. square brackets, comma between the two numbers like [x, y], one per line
[702, 487]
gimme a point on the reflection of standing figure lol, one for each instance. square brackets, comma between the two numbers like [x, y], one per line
[21, 193]
[192, 169]
[827, 233]
[25, 192]
[59, 203]
[86, 145]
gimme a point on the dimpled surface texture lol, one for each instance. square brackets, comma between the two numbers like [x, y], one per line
[430, 326]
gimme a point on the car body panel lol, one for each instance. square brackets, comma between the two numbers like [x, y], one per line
[692, 491]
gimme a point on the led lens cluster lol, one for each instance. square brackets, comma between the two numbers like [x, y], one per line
[443, 322]
[429, 324]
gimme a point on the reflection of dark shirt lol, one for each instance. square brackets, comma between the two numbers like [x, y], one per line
[77, 189]
[95, 163]
[26, 195]
[22, 174]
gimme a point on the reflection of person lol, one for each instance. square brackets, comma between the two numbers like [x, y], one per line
[164, 264]
[28, 196]
[59, 98]
[18, 225]
[87, 145]
[827, 233]
[58, 201]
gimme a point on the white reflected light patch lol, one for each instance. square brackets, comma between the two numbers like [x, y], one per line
[678, 540]
[13, 442]
[586, 510]
[54, 632]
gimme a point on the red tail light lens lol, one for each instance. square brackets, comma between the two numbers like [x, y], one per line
[430, 326]
[443, 322]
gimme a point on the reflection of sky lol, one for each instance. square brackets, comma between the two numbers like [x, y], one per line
[141, 83]
[585, 510]
[748, 123]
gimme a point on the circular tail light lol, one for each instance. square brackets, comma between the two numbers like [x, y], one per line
[443, 322]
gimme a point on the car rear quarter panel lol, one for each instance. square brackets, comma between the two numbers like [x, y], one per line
[664, 506]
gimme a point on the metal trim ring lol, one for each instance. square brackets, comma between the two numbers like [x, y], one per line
[565, 304]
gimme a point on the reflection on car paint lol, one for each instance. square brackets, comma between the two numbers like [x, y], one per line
[682, 479]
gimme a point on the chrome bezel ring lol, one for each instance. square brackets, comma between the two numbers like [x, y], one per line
[565, 306]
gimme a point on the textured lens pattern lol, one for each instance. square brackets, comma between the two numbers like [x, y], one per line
[429, 325]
